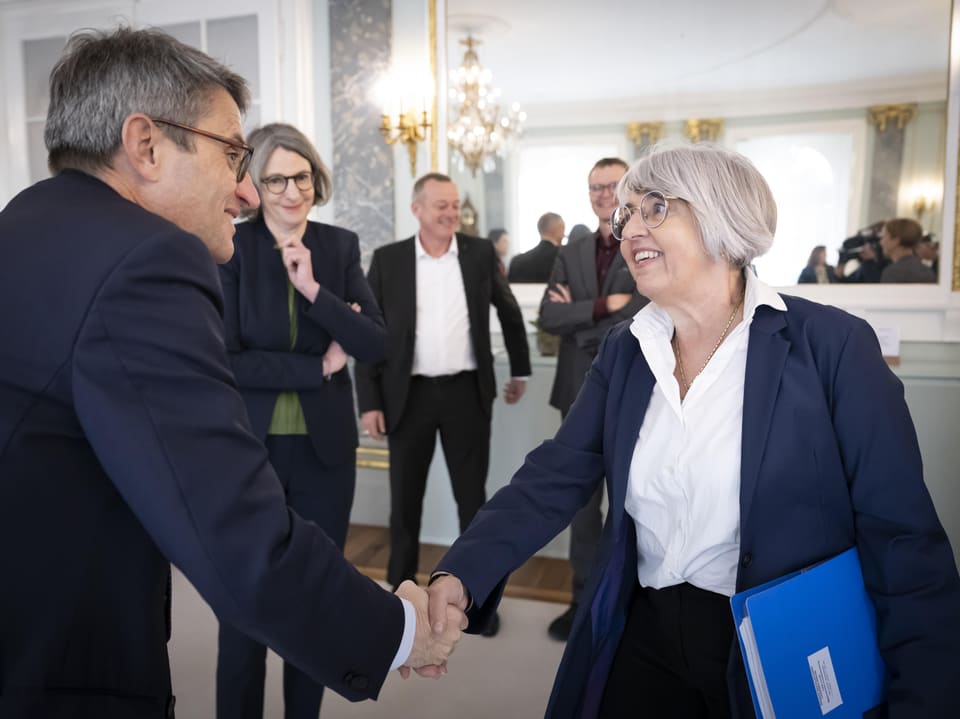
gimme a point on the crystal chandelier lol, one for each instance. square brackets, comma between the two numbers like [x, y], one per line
[478, 130]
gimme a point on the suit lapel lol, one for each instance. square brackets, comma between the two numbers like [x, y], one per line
[634, 400]
[471, 283]
[404, 281]
[588, 265]
[616, 265]
[766, 356]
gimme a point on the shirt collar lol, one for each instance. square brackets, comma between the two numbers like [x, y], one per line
[454, 249]
[654, 320]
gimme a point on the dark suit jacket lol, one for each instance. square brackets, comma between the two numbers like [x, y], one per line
[576, 267]
[829, 461]
[257, 323]
[384, 386]
[124, 443]
[534, 265]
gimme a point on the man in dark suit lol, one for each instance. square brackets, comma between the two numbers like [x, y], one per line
[590, 290]
[124, 443]
[535, 265]
[435, 290]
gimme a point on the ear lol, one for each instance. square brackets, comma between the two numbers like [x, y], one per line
[139, 139]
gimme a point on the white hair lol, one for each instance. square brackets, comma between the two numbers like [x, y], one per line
[731, 202]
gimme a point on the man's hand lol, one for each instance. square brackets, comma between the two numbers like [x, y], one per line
[617, 301]
[513, 390]
[296, 258]
[373, 423]
[334, 359]
[431, 648]
[559, 293]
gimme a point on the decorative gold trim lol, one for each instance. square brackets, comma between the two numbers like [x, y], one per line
[373, 458]
[637, 131]
[880, 115]
[434, 147]
[705, 129]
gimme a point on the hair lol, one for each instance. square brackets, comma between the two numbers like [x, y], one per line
[422, 181]
[814, 253]
[264, 140]
[547, 220]
[496, 234]
[608, 162]
[104, 77]
[731, 202]
[579, 231]
[908, 232]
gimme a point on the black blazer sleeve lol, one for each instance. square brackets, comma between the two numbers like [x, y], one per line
[511, 323]
[155, 396]
[258, 368]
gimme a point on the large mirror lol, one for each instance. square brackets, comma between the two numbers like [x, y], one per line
[841, 103]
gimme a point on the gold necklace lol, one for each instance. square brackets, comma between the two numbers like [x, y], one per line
[676, 349]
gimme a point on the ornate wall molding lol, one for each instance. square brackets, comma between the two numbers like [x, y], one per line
[703, 129]
[645, 133]
[880, 115]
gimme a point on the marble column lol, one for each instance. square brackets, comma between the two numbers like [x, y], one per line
[889, 121]
[360, 36]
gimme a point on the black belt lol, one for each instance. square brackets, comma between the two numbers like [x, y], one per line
[444, 378]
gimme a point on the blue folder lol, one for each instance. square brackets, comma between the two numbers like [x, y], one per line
[809, 642]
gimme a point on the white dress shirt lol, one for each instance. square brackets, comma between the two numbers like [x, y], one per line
[443, 344]
[683, 490]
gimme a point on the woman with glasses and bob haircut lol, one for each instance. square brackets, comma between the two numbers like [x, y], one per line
[742, 435]
[296, 304]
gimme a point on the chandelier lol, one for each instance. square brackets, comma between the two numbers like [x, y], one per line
[478, 130]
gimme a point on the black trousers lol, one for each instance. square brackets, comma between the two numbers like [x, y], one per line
[323, 495]
[672, 658]
[452, 406]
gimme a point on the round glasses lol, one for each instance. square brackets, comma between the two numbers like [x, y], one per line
[277, 184]
[653, 208]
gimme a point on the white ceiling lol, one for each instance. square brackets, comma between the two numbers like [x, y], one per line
[556, 56]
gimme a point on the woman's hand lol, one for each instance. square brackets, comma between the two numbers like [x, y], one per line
[296, 258]
[334, 359]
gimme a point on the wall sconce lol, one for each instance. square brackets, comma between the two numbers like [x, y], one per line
[402, 120]
[410, 127]
[924, 197]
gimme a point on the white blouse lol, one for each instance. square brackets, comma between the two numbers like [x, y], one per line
[683, 490]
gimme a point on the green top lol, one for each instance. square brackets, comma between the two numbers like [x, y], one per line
[287, 413]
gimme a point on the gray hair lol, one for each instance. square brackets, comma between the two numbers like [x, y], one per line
[268, 138]
[104, 77]
[731, 202]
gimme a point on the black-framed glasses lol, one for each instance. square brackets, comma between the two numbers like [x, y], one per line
[277, 184]
[653, 208]
[239, 161]
[597, 189]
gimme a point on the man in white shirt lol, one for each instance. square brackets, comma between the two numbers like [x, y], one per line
[435, 290]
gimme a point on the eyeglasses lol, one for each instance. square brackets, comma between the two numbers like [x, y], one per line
[239, 160]
[653, 208]
[597, 189]
[277, 184]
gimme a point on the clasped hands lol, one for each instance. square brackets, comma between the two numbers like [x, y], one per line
[441, 619]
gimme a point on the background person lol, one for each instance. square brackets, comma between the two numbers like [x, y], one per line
[290, 290]
[899, 239]
[817, 270]
[590, 289]
[435, 290]
[124, 443]
[501, 244]
[691, 411]
[535, 264]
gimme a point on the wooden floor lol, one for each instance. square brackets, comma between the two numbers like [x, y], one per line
[540, 578]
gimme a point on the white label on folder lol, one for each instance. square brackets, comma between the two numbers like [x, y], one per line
[824, 680]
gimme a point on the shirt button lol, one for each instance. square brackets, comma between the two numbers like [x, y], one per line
[747, 560]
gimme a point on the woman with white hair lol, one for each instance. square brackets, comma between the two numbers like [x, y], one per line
[742, 435]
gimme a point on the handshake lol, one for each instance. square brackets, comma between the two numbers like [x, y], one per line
[441, 619]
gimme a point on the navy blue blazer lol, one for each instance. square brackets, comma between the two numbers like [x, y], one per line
[124, 443]
[257, 323]
[829, 460]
